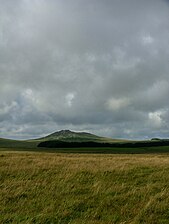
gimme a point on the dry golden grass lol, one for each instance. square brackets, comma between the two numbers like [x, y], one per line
[83, 188]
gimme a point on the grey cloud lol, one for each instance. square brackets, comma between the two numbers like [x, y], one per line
[100, 66]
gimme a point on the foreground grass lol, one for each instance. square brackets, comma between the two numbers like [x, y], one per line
[83, 188]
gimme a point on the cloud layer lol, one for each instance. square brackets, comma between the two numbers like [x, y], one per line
[98, 66]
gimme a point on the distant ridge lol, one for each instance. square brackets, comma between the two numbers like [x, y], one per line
[85, 142]
[67, 135]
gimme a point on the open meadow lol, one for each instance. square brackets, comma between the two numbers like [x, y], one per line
[84, 188]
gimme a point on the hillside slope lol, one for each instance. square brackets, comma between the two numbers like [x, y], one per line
[71, 136]
[63, 135]
[20, 144]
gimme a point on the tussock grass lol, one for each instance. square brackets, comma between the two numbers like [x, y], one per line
[83, 188]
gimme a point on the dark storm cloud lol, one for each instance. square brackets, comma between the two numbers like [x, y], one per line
[99, 66]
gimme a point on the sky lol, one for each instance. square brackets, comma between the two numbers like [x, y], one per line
[100, 66]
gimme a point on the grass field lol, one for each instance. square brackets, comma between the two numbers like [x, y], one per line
[84, 188]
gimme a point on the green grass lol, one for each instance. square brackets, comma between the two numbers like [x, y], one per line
[17, 144]
[11, 145]
[83, 188]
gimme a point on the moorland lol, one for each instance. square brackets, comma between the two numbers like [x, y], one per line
[83, 185]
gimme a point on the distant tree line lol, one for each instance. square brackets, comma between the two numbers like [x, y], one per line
[62, 144]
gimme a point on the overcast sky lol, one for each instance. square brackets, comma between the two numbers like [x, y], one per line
[100, 66]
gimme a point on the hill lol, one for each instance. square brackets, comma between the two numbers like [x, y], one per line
[70, 141]
[63, 135]
[19, 144]
[71, 136]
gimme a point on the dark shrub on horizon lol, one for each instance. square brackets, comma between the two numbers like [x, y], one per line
[62, 144]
